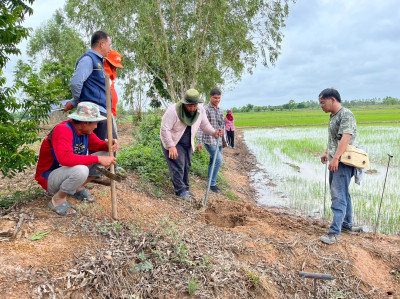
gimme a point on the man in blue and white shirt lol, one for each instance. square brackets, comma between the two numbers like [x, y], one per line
[215, 116]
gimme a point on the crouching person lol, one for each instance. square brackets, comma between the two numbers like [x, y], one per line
[64, 167]
[178, 129]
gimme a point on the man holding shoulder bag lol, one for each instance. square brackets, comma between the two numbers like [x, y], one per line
[342, 132]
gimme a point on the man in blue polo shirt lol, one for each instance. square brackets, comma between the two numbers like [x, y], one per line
[88, 81]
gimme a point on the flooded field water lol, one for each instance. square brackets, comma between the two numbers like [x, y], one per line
[292, 175]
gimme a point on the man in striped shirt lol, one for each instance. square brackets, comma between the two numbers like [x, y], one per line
[215, 116]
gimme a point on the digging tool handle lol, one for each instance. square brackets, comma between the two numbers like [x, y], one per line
[211, 173]
[315, 275]
[110, 143]
[326, 169]
[383, 191]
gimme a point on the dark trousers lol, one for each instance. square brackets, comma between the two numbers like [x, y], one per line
[102, 132]
[179, 168]
[231, 138]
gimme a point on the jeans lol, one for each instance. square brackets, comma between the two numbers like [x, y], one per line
[339, 182]
[212, 150]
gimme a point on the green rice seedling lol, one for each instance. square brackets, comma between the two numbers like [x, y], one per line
[296, 177]
[311, 117]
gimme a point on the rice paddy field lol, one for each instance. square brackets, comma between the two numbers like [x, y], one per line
[380, 114]
[295, 176]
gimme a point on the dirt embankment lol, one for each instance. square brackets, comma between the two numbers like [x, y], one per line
[164, 247]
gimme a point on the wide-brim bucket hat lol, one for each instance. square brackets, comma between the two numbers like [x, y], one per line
[87, 111]
[191, 97]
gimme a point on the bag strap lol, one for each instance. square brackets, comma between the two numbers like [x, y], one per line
[49, 137]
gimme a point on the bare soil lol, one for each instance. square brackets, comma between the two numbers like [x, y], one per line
[161, 245]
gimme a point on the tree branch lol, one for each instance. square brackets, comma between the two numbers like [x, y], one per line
[168, 71]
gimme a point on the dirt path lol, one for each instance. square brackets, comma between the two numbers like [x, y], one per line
[234, 249]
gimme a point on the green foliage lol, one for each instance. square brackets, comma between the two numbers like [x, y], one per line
[38, 235]
[187, 43]
[312, 117]
[19, 118]
[60, 46]
[12, 33]
[232, 196]
[182, 255]
[34, 107]
[144, 265]
[117, 227]
[200, 162]
[17, 196]
[391, 101]
[253, 278]
[192, 285]
[146, 157]
[291, 105]
[123, 115]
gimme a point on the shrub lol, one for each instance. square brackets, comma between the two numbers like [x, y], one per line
[145, 154]
[146, 157]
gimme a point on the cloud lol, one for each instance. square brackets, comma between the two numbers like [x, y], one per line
[43, 10]
[350, 45]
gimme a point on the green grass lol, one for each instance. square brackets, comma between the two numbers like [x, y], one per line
[312, 117]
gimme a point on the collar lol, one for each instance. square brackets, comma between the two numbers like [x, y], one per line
[333, 114]
[211, 106]
[76, 130]
[96, 53]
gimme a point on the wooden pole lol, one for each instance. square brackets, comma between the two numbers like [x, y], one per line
[110, 142]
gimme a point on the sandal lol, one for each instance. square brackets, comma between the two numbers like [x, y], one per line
[62, 209]
[84, 196]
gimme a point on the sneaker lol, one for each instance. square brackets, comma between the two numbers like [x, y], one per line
[330, 238]
[215, 189]
[352, 230]
[185, 195]
[190, 194]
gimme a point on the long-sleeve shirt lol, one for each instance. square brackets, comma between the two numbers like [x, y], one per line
[216, 118]
[172, 128]
[68, 151]
[82, 72]
[229, 124]
[112, 72]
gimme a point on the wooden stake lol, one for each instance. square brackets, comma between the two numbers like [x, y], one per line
[110, 142]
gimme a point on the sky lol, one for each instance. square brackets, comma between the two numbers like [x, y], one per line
[43, 10]
[350, 45]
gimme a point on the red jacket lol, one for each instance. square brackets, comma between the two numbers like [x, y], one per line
[67, 148]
